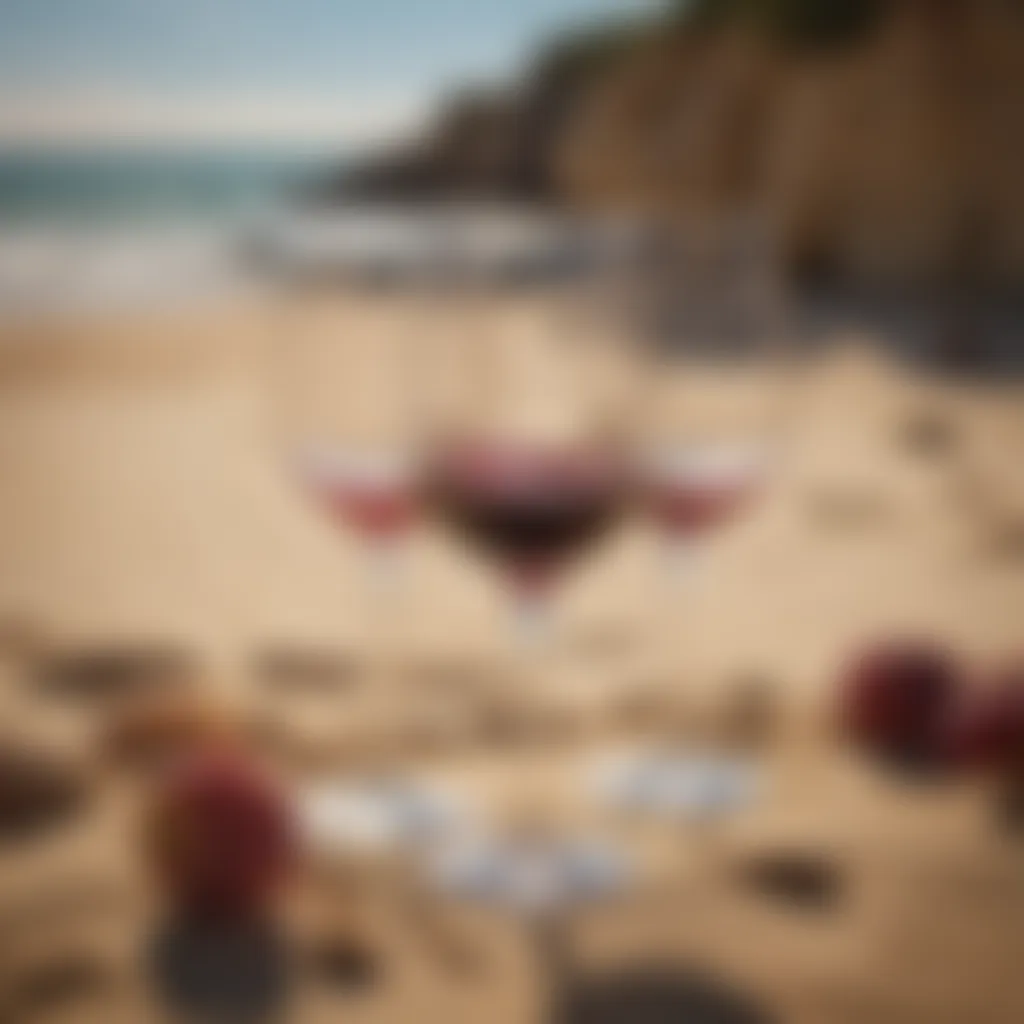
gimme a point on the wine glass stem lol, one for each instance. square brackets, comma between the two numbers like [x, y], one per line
[682, 559]
[385, 568]
[532, 622]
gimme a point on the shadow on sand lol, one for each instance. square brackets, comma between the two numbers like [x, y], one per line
[208, 973]
[656, 995]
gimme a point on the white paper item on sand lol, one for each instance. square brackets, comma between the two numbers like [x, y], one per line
[676, 785]
[378, 816]
[531, 877]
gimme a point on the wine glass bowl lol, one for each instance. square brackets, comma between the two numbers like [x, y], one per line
[531, 508]
[691, 489]
[373, 491]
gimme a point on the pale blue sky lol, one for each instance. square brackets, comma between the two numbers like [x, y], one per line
[74, 69]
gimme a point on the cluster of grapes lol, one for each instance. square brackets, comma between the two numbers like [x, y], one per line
[912, 704]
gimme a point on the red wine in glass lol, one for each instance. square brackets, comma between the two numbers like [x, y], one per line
[531, 509]
[692, 490]
[372, 492]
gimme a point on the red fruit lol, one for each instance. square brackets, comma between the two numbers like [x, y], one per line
[987, 731]
[222, 836]
[895, 698]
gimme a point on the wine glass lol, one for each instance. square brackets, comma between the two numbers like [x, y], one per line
[722, 380]
[535, 479]
[345, 421]
[373, 491]
[346, 415]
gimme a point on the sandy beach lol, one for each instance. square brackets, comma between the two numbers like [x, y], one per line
[147, 498]
[147, 492]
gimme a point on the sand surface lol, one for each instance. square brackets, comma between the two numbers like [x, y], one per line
[148, 495]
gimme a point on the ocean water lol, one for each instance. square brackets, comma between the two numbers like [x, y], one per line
[108, 186]
[99, 227]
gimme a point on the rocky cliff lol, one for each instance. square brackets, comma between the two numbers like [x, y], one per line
[882, 142]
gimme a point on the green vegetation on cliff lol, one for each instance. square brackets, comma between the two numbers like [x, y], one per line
[805, 23]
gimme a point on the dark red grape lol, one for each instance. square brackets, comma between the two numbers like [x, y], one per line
[987, 730]
[221, 835]
[896, 698]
